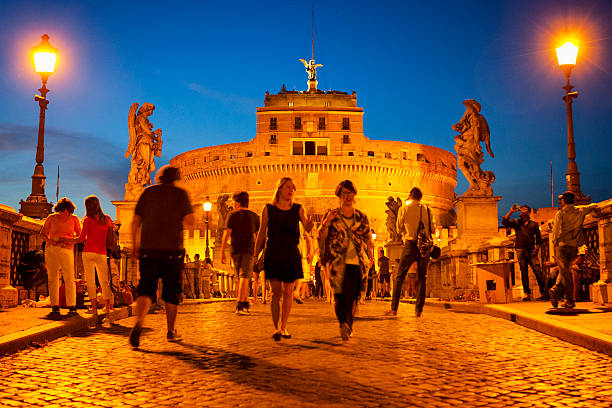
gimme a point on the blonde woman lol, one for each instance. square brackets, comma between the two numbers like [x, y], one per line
[60, 231]
[95, 229]
[282, 260]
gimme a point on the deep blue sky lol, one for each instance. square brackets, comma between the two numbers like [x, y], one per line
[207, 65]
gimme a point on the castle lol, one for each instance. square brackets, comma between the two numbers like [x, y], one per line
[317, 139]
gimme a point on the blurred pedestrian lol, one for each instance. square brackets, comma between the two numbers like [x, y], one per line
[282, 260]
[157, 233]
[349, 249]
[61, 231]
[242, 227]
[411, 218]
[95, 229]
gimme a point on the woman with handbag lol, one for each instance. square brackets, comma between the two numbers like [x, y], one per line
[280, 232]
[96, 227]
[348, 254]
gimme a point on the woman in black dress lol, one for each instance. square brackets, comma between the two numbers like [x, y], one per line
[282, 260]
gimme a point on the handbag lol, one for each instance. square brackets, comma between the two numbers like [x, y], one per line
[112, 243]
[424, 241]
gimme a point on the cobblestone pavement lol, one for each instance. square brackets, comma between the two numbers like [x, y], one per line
[443, 359]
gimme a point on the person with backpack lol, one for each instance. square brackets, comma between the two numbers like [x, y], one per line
[96, 227]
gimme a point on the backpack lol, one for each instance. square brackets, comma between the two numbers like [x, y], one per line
[112, 244]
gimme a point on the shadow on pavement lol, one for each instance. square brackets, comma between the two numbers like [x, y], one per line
[269, 377]
[569, 312]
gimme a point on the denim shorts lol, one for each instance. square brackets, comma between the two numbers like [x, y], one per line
[167, 267]
[243, 264]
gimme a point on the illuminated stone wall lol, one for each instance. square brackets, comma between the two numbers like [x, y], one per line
[318, 154]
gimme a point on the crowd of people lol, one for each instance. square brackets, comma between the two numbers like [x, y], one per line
[277, 249]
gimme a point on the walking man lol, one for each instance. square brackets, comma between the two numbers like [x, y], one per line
[409, 218]
[566, 233]
[242, 227]
[527, 244]
[157, 236]
[383, 273]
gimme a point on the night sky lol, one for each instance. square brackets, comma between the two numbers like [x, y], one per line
[207, 65]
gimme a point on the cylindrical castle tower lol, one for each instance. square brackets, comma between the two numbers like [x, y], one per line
[317, 139]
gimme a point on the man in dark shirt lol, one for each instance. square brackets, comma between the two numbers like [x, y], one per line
[157, 236]
[527, 245]
[242, 227]
[383, 273]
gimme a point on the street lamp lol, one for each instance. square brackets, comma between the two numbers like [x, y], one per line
[36, 205]
[566, 55]
[373, 235]
[207, 207]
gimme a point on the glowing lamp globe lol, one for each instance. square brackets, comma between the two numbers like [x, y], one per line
[45, 56]
[207, 206]
[566, 54]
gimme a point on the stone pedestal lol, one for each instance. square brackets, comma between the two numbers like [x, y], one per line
[125, 215]
[394, 251]
[477, 217]
[601, 291]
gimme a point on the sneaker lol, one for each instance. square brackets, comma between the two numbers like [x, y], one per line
[173, 336]
[55, 312]
[72, 310]
[345, 331]
[298, 300]
[276, 336]
[392, 313]
[569, 304]
[527, 298]
[135, 335]
[243, 312]
[553, 298]
[285, 334]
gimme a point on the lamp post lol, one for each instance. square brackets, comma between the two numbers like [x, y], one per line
[566, 55]
[36, 205]
[207, 207]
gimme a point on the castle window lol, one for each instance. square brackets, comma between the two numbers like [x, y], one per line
[291, 103]
[346, 139]
[297, 124]
[422, 158]
[404, 155]
[345, 124]
[321, 123]
[273, 125]
[215, 158]
[266, 153]
[298, 148]
[273, 140]
[387, 155]
[309, 148]
[233, 156]
[249, 154]
[370, 153]
[351, 154]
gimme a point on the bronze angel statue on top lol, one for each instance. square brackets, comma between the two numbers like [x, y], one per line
[145, 143]
[311, 70]
[473, 129]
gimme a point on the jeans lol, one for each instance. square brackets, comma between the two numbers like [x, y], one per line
[527, 258]
[91, 262]
[63, 258]
[411, 254]
[346, 302]
[565, 256]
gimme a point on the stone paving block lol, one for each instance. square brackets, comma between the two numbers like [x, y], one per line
[443, 359]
